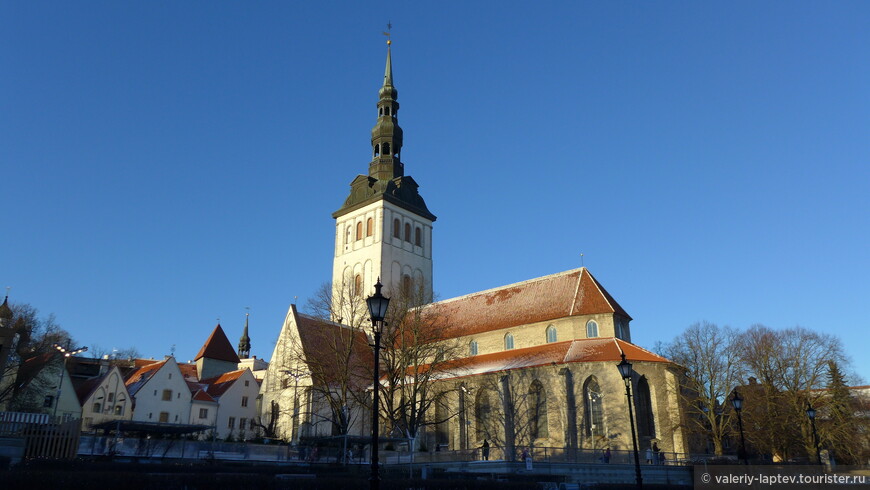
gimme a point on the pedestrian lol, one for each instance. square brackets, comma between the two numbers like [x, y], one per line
[485, 450]
[649, 455]
[607, 455]
[656, 453]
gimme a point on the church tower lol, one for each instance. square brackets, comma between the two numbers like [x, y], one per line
[384, 229]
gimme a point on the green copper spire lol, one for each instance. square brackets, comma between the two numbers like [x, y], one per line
[386, 179]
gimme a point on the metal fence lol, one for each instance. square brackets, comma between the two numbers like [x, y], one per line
[43, 436]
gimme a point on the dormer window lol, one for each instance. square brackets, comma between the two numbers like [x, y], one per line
[591, 329]
[551, 334]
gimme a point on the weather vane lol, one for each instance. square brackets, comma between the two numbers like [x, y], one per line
[248, 313]
[389, 29]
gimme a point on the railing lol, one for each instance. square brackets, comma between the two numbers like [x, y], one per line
[43, 436]
[239, 451]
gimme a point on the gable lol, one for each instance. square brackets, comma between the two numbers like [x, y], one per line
[218, 347]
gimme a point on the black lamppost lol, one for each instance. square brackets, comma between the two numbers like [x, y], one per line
[67, 353]
[811, 413]
[378, 305]
[737, 403]
[625, 371]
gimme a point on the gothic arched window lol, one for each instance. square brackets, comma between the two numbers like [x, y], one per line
[396, 227]
[591, 329]
[483, 414]
[537, 411]
[551, 334]
[370, 227]
[407, 232]
[593, 404]
[508, 341]
[377, 150]
[646, 426]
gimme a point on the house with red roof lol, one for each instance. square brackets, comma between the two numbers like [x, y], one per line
[103, 398]
[530, 364]
[160, 393]
[227, 402]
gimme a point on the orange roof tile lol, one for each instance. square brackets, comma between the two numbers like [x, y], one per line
[141, 376]
[188, 371]
[218, 385]
[568, 293]
[607, 349]
[202, 396]
[218, 347]
[334, 352]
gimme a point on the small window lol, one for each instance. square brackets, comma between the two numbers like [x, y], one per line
[244, 402]
[396, 227]
[407, 232]
[551, 334]
[418, 237]
[164, 417]
[359, 230]
[48, 401]
[170, 376]
[203, 413]
[472, 348]
[370, 227]
[508, 341]
[591, 329]
[96, 408]
[149, 415]
[119, 409]
[231, 423]
[242, 423]
[347, 236]
[167, 395]
[247, 383]
[111, 397]
[386, 148]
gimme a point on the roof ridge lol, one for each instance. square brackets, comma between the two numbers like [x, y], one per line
[618, 340]
[506, 286]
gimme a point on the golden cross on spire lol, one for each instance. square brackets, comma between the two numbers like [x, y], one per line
[389, 28]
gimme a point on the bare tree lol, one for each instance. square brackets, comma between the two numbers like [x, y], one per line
[23, 380]
[415, 356]
[790, 366]
[711, 359]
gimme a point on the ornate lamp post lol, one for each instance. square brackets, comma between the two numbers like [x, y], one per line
[625, 371]
[67, 353]
[811, 413]
[737, 403]
[377, 305]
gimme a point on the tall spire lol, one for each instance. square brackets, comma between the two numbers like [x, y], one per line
[387, 135]
[245, 341]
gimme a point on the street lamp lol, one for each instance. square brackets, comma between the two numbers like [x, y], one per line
[377, 305]
[811, 413]
[466, 424]
[67, 353]
[737, 403]
[625, 371]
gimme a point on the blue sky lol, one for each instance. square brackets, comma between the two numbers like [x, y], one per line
[165, 164]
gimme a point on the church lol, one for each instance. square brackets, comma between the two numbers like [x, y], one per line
[523, 366]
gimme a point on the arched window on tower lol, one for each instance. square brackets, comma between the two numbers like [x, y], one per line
[551, 334]
[509, 341]
[396, 227]
[386, 148]
[406, 286]
[537, 411]
[370, 227]
[357, 285]
[472, 348]
[418, 237]
[377, 150]
[591, 329]
[359, 230]
[407, 232]
[593, 404]
[646, 427]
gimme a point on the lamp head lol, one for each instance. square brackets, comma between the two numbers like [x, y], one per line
[378, 304]
[624, 368]
[737, 401]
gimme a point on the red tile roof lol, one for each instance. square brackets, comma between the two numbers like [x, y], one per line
[141, 376]
[218, 385]
[334, 352]
[568, 293]
[202, 396]
[188, 371]
[218, 347]
[583, 350]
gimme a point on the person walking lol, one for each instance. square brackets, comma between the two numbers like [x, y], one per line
[607, 455]
[485, 450]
